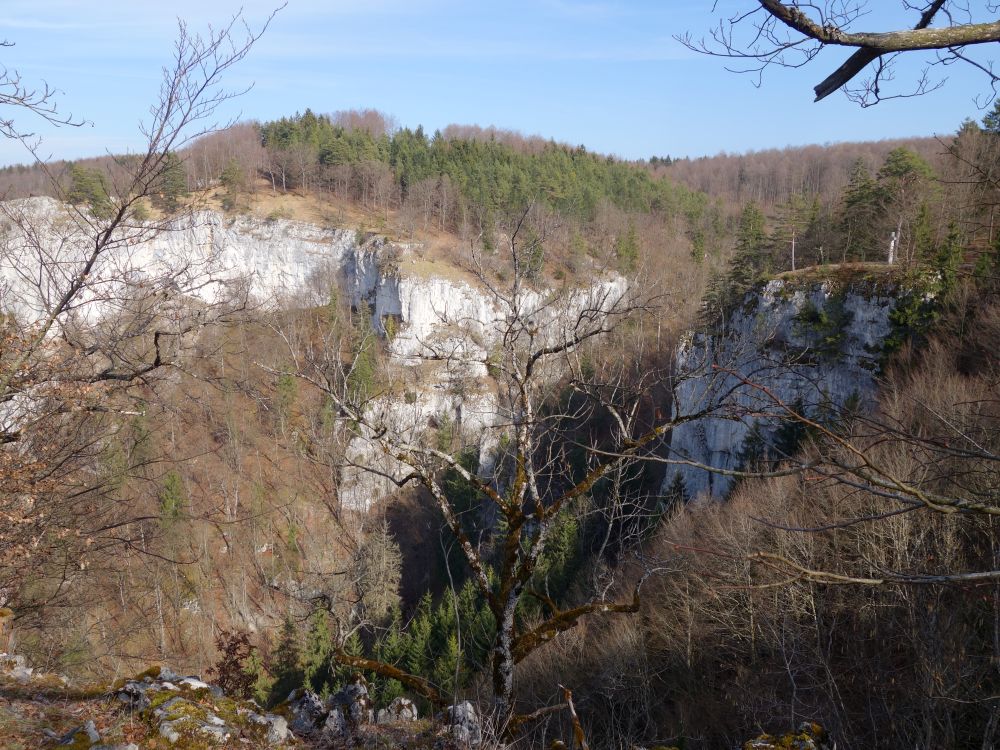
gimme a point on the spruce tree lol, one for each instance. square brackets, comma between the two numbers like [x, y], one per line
[948, 258]
[923, 237]
[417, 651]
[447, 666]
[316, 654]
[749, 259]
[286, 662]
[389, 648]
[862, 214]
[172, 185]
[991, 122]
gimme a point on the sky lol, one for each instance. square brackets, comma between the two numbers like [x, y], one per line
[605, 74]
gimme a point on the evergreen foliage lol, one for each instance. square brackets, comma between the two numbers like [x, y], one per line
[489, 175]
[750, 261]
[559, 564]
[173, 498]
[627, 250]
[287, 667]
[991, 121]
[285, 393]
[861, 215]
[316, 654]
[824, 326]
[171, 185]
[363, 374]
[89, 187]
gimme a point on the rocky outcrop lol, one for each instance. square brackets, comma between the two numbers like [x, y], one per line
[421, 412]
[340, 715]
[354, 703]
[441, 326]
[809, 736]
[165, 707]
[186, 708]
[400, 710]
[464, 725]
[200, 257]
[815, 346]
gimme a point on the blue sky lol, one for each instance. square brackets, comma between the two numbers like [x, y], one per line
[605, 74]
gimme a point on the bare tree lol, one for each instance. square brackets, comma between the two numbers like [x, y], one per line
[23, 98]
[531, 359]
[792, 34]
[89, 317]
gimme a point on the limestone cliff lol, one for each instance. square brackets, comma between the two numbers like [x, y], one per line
[439, 323]
[814, 345]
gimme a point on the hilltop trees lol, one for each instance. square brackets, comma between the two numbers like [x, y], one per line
[451, 178]
[861, 214]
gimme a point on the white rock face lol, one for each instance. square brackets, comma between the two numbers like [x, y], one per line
[449, 329]
[776, 340]
[200, 257]
[416, 417]
[209, 257]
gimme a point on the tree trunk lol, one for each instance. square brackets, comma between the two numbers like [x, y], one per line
[503, 665]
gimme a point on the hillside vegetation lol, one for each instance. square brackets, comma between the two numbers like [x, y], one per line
[809, 595]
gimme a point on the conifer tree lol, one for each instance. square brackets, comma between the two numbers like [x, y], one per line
[948, 257]
[862, 214]
[286, 662]
[390, 648]
[905, 179]
[627, 250]
[447, 666]
[353, 646]
[749, 260]
[316, 653]
[361, 378]
[172, 498]
[417, 652]
[923, 236]
[171, 185]
[89, 186]
[991, 121]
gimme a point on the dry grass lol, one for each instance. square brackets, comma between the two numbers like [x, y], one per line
[844, 273]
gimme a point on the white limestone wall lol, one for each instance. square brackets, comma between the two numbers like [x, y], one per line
[199, 257]
[419, 417]
[765, 344]
[446, 320]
